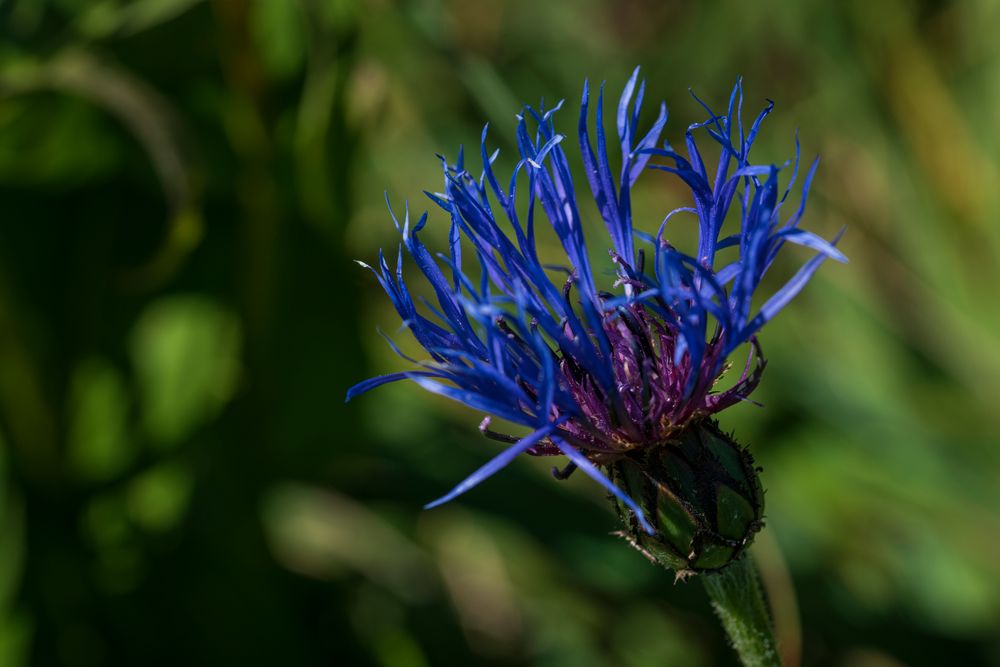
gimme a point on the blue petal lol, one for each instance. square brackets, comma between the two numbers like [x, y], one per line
[781, 298]
[623, 101]
[378, 381]
[584, 464]
[810, 240]
[476, 400]
[496, 464]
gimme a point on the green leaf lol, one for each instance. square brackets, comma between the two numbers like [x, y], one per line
[98, 439]
[186, 352]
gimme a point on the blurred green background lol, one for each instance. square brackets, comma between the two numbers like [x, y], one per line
[182, 187]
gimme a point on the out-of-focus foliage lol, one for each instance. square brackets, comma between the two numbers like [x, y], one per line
[183, 184]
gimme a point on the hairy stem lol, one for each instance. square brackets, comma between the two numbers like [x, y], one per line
[739, 602]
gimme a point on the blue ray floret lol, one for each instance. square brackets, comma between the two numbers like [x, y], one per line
[595, 375]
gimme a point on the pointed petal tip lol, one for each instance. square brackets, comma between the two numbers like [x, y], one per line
[836, 240]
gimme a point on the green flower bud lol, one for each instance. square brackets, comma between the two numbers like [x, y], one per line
[702, 494]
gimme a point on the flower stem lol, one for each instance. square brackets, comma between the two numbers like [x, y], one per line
[739, 602]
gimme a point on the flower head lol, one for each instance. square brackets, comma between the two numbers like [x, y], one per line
[598, 375]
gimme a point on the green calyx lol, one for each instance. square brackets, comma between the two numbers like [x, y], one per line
[702, 494]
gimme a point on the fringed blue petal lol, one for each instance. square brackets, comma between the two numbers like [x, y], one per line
[781, 298]
[496, 464]
[584, 464]
[615, 205]
[497, 404]
[378, 381]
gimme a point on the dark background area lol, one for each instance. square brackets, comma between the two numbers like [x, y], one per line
[183, 186]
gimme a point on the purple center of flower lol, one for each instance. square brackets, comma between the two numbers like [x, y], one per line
[649, 403]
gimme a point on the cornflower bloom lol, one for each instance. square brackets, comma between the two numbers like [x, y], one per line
[603, 377]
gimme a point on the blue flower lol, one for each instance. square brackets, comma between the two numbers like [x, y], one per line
[596, 374]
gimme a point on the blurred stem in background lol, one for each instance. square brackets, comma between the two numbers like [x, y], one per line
[249, 124]
[780, 593]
